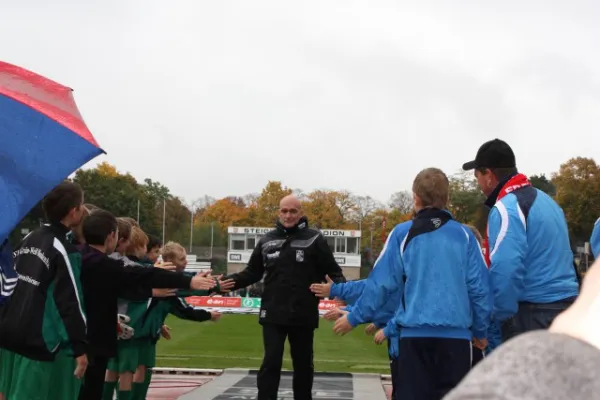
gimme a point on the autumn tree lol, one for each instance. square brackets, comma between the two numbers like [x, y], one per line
[327, 209]
[264, 212]
[225, 212]
[578, 193]
[106, 169]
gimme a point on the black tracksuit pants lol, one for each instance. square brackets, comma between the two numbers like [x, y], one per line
[428, 368]
[93, 380]
[394, 370]
[478, 355]
[301, 349]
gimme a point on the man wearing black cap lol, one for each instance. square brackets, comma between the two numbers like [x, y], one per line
[531, 262]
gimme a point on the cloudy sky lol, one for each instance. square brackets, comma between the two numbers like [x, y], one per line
[218, 97]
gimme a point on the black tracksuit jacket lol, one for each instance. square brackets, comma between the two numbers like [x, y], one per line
[292, 260]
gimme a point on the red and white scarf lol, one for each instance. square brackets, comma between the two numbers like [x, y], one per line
[517, 182]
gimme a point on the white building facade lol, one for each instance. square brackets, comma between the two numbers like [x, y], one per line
[345, 245]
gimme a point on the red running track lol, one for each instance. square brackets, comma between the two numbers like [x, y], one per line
[171, 387]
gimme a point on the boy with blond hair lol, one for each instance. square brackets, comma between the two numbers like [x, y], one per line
[446, 300]
[153, 327]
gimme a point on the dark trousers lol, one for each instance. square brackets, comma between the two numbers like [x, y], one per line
[478, 355]
[93, 380]
[394, 369]
[428, 368]
[533, 316]
[301, 349]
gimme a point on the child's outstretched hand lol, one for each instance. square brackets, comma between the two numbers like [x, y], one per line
[165, 332]
[166, 265]
[215, 316]
[379, 337]
[371, 329]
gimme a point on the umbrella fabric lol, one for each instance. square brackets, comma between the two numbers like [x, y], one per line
[43, 139]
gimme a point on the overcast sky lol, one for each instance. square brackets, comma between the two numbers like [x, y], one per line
[218, 97]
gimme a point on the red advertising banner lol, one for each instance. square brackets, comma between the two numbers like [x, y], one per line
[208, 301]
[329, 304]
[244, 302]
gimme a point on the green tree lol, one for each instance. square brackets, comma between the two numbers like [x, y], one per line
[542, 183]
[115, 193]
[466, 199]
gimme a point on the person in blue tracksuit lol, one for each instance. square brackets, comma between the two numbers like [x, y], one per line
[437, 266]
[350, 292]
[595, 240]
[531, 261]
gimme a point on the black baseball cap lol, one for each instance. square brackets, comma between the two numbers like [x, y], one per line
[493, 154]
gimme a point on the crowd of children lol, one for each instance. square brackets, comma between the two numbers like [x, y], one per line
[91, 305]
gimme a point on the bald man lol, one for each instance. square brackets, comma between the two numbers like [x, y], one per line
[293, 257]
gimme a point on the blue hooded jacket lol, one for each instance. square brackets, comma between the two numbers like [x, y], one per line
[595, 240]
[347, 291]
[437, 266]
[8, 275]
[530, 253]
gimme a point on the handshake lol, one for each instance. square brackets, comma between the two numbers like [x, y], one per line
[202, 280]
[205, 281]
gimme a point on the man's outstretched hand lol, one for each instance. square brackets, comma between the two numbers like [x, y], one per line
[226, 285]
[322, 289]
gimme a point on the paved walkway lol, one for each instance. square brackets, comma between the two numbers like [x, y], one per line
[240, 384]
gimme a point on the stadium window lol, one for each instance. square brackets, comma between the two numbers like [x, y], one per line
[352, 245]
[340, 245]
[238, 242]
[331, 243]
[250, 242]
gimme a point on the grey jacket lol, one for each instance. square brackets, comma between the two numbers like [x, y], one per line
[534, 366]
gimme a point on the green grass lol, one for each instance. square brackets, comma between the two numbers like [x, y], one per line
[236, 341]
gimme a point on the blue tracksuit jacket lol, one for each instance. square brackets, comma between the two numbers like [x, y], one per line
[595, 240]
[437, 266]
[530, 253]
[351, 291]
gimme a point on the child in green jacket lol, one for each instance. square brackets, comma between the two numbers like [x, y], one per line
[152, 327]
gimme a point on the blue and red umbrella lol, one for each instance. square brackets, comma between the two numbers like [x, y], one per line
[43, 139]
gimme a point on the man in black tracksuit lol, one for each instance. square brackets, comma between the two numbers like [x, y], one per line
[293, 257]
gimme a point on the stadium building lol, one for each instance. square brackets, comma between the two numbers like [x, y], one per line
[344, 244]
